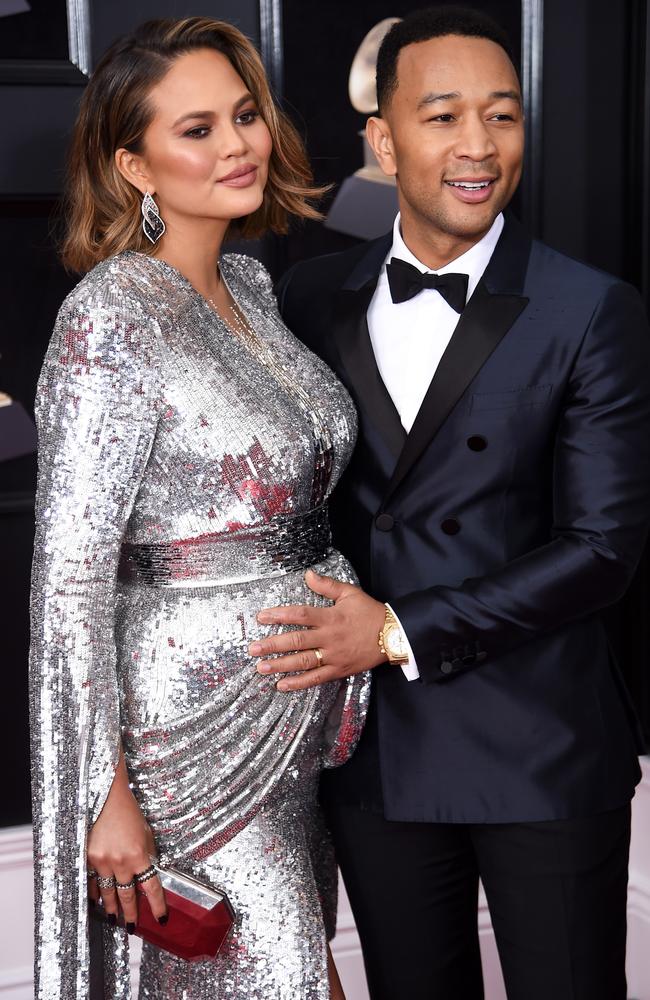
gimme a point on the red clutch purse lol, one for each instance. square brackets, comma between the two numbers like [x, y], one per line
[200, 917]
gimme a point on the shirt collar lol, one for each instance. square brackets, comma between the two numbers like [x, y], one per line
[473, 262]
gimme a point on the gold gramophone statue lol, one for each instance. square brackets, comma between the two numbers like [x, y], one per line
[366, 203]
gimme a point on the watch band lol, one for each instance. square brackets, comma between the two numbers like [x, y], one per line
[391, 623]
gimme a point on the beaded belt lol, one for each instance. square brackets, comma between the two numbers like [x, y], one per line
[283, 545]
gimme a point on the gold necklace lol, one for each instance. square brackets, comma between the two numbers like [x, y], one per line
[236, 321]
[238, 324]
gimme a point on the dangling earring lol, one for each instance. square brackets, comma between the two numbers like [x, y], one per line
[153, 226]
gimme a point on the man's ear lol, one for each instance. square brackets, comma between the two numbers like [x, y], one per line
[380, 141]
[133, 169]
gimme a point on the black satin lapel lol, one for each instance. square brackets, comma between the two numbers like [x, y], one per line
[485, 321]
[358, 358]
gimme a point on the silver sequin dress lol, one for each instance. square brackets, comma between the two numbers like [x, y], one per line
[183, 479]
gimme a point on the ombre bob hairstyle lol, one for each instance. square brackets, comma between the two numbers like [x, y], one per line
[102, 210]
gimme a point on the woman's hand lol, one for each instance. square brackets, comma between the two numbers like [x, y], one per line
[121, 844]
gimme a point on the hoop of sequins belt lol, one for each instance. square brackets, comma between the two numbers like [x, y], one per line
[281, 545]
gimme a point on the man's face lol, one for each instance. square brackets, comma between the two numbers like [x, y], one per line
[453, 135]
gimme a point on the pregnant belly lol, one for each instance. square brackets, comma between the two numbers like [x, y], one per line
[206, 737]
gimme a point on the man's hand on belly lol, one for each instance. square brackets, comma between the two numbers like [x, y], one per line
[345, 636]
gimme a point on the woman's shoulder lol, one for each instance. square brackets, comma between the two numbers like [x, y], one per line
[249, 270]
[119, 281]
[112, 308]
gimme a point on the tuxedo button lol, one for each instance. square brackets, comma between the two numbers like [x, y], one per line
[450, 526]
[384, 522]
[476, 443]
[446, 667]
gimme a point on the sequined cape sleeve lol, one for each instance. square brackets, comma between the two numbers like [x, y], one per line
[97, 407]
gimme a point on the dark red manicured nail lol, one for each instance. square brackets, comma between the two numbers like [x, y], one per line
[130, 928]
[163, 920]
[112, 919]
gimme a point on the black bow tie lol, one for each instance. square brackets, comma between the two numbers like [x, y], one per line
[406, 281]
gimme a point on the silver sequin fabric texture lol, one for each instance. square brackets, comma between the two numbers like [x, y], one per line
[184, 472]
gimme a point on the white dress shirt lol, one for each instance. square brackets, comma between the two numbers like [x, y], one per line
[409, 338]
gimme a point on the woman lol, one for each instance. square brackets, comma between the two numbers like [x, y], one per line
[188, 444]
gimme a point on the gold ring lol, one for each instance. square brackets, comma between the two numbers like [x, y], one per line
[319, 657]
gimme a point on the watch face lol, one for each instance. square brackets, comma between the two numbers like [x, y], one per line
[394, 641]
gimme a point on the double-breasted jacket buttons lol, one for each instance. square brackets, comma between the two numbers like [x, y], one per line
[384, 522]
[450, 526]
[477, 442]
[461, 657]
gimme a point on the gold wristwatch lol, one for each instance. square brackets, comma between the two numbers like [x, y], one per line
[392, 641]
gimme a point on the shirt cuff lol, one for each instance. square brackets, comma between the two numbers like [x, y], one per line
[410, 669]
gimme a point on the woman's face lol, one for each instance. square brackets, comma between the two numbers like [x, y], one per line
[206, 151]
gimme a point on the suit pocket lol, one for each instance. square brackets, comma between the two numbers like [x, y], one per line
[511, 399]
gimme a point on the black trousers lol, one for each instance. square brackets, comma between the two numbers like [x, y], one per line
[556, 892]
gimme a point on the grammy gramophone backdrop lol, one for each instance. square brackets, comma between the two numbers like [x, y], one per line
[586, 190]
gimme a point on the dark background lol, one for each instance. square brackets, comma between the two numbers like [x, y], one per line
[40, 33]
[586, 192]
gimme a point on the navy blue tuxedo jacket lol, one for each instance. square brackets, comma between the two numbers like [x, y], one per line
[498, 529]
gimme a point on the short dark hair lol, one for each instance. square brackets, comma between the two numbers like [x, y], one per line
[432, 22]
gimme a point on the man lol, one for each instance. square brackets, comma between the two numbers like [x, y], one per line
[498, 500]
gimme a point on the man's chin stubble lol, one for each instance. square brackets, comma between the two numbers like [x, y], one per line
[461, 229]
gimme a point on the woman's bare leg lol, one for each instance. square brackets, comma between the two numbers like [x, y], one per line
[336, 990]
